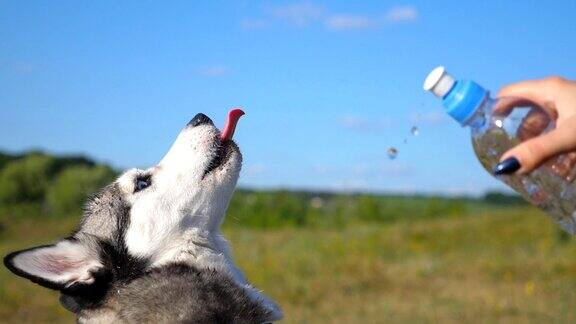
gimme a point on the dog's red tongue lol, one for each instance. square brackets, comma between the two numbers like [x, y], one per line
[231, 121]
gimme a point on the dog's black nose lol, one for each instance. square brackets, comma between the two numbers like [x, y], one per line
[200, 119]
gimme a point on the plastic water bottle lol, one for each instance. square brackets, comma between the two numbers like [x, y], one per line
[499, 124]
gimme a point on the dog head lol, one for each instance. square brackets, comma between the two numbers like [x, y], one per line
[168, 213]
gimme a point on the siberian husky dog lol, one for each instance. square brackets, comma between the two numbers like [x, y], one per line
[148, 247]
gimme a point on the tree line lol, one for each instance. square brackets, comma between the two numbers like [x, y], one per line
[39, 183]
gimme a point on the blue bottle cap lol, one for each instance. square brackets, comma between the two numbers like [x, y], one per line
[461, 98]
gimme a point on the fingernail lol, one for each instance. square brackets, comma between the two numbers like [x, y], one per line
[508, 166]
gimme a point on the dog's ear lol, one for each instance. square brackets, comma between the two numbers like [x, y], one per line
[67, 264]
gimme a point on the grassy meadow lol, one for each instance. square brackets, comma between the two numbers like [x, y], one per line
[329, 258]
[499, 264]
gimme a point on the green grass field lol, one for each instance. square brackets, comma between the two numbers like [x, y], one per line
[507, 264]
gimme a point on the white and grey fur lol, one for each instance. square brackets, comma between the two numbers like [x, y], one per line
[149, 248]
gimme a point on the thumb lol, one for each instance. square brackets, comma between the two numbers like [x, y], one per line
[532, 153]
[542, 91]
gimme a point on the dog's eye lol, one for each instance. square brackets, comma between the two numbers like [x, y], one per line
[142, 183]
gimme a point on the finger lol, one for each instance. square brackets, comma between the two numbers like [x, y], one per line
[504, 106]
[533, 124]
[539, 91]
[532, 153]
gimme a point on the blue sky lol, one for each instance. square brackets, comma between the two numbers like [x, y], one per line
[327, 87]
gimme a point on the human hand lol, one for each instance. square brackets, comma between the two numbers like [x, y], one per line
[557, 96]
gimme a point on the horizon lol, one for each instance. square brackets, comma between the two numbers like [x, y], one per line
[309, 190]
[327, 87]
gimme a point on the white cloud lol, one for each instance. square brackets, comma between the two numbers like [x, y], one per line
[213, 70]
[19, 67]
[365, 170]
[360, 169]
[307, 13]
[256, 169]
[348, 22]
[401, 14]
[348, 185]
[466, 189]
[320, 169]
[299, 14]
[395, 169]
[405, 189]
[433, 118]
[253, 24]
[360, 124]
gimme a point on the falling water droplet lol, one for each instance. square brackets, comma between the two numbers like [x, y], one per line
[415, 131]
[392, 153]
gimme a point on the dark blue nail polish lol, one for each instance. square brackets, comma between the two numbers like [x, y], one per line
[508, 166]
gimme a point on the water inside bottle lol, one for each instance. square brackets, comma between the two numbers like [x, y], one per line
[549, 187]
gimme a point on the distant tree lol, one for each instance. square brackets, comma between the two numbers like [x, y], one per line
[25, 179]
[368, 208]
[73, 185]
[290, 208]
[437, 207]
[500, 198]
[63, 162]
[5, 158]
